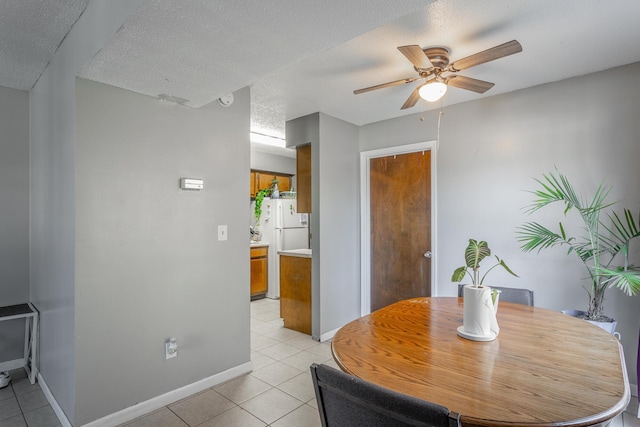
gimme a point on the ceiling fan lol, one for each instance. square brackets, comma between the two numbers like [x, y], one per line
[432, 64]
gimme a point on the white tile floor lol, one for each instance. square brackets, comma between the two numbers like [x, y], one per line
[278, 392]
[23, 404]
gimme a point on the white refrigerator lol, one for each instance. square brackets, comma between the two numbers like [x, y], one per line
[283, 228]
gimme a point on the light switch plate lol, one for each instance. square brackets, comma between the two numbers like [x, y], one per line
[222, 232]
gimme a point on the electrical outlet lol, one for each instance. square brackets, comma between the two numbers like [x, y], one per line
[170, 348]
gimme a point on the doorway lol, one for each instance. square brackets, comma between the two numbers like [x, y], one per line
[398, 224]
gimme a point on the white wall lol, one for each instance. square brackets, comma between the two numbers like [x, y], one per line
[52, 216]
[14, 217]
[492, 148]
[148, 262]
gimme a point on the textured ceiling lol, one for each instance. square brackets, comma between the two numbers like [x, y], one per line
[199, 50]
[307, 56]
[30, 33]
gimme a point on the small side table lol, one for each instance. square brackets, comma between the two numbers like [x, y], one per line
[30, 314]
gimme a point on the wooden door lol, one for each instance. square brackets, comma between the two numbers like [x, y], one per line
[400, 208]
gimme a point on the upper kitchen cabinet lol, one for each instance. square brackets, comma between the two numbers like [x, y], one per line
[260, 180]
[303, 177]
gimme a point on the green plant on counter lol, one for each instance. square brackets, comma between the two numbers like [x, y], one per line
[597, 246]
[473, 255]
[260, 195]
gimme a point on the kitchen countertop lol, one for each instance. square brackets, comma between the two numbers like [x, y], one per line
[302, 253]
[258, 244]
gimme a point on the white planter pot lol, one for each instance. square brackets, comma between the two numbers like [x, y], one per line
[479, 314]
[607, 326]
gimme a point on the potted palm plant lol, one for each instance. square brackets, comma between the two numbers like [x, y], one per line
[603, 248]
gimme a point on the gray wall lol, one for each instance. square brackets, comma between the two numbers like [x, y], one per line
[273, 162]
[338, 211]
[301, 131]
[148, 263]
[334, 219]
[489, 151]
[14, 216]
[52, 220]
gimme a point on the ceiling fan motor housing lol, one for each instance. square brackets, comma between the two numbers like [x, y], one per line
[438, 56]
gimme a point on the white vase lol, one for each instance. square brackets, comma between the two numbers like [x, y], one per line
[479, 321]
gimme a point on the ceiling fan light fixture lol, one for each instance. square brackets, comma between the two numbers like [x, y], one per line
[433, 91]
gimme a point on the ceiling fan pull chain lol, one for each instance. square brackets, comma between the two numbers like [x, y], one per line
[440, 113]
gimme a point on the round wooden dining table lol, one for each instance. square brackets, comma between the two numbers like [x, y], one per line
[544, 368]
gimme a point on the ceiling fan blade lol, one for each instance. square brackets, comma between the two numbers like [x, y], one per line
[492, 54]
[416, 55]
[475, 85]
[412, 99]
[380, 86]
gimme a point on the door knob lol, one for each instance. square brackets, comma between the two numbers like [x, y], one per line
[427, 254]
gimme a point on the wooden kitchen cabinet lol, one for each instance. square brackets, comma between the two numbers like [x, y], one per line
[259, 272]
[303, 178]
[295, 293]
[260, 180]
[252, 184]
[265, 180]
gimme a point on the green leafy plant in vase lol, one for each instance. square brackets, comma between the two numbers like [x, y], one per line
[597, 244]
[479, 323]
[475, 253]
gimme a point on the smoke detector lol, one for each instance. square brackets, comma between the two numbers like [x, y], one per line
[226, 100]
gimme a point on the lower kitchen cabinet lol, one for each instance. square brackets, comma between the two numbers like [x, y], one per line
[259, 272]
[295, 293]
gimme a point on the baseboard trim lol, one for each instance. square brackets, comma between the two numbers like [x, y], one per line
[53, 402]
[158, 402]
[328, 335]
[11, 364]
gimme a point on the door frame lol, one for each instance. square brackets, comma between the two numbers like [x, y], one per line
[365, 215]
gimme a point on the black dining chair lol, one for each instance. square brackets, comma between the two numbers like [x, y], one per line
[347, 401]
[517, 295]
